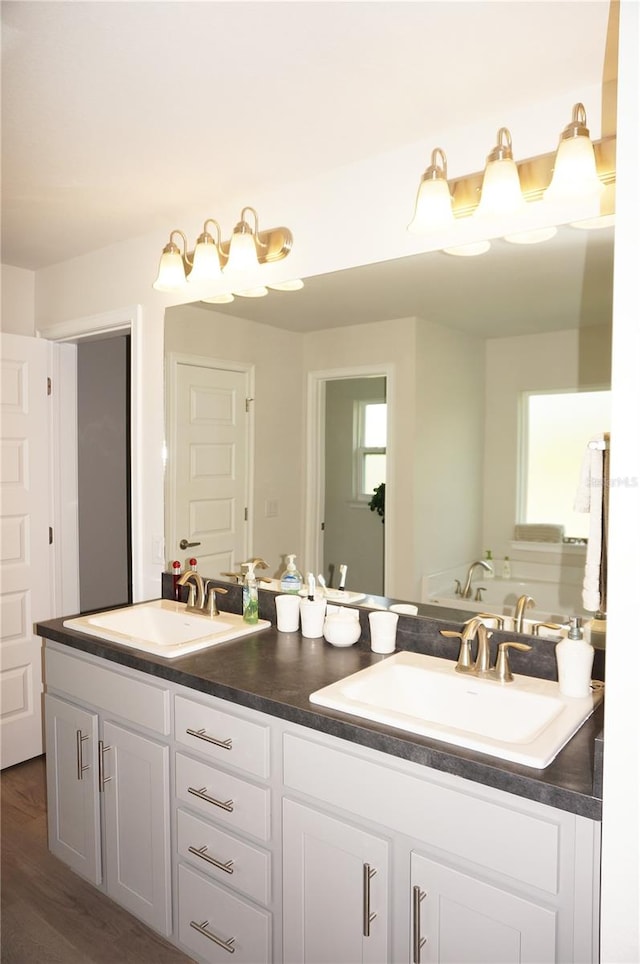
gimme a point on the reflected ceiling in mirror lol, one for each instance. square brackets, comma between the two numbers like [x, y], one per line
[566, 281]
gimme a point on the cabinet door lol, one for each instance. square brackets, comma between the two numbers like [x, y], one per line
[136, 816]
[335, 884]
[72, 786]
[458, 919]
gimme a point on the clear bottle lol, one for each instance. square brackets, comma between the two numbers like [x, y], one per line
[574, 656]
[490, 573]
[506, 568]
[292, 579]
[250, 596]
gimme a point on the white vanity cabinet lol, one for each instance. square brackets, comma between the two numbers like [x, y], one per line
[479, 876]
[108, 782]
[224, 828]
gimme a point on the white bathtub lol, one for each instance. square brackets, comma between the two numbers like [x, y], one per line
[554, 603]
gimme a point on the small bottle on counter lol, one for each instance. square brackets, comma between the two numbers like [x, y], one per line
[250, 596]
[176, 572]
[292, 578]
[506, 568]
[574, 656]
[490, 573]
[192, 563]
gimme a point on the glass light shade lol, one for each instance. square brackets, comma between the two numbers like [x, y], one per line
[294, 285]
[470, 250]
[243, 256]
[595, 224]
[433, 208]
[219, 300]
[574, 173]
[535, 236]
[501, 193]
[259, 292]
[206, 262]
[171, 270]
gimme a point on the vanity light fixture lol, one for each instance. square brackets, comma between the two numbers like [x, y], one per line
[574, 172]
[433, 208]
[579, 170]
[244, 260]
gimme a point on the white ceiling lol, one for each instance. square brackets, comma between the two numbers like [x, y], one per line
[118, 116]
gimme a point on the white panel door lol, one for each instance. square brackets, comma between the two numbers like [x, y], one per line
[209, 466]
[25, 560]
[458, 919]
[335, 890]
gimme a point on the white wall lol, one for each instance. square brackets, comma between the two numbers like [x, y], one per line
[18, 301]
[449, 448]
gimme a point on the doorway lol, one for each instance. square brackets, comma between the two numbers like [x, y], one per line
[355, 457]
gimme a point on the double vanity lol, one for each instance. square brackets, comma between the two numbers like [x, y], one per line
[210, 796]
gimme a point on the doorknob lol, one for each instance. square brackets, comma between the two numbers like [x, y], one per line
[185, 544]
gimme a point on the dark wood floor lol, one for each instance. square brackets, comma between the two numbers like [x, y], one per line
[49, 914]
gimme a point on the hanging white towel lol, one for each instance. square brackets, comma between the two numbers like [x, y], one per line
[589, 499]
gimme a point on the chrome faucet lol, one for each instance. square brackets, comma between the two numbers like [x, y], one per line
[524, 602]
[465, 592]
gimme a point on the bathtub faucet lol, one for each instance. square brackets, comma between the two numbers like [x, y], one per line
[465, 592]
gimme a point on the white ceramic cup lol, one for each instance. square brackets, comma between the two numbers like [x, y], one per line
[288, 613]
[312, 617]
[383, 625]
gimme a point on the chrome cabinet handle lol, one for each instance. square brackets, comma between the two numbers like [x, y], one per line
[185, 544]
[201, 735]
[367, 873]
[202, 929]
[81, 767]
[201, 852]
[418, 941]
[201, 795]
[102, 749]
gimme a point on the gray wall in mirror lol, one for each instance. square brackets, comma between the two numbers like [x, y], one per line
[465, 337]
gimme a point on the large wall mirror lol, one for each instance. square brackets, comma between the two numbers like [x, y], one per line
[461, 343]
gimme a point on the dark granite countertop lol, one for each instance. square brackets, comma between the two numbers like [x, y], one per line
[275, 673]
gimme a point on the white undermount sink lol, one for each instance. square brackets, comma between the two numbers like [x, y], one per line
[164, 628]
[526, 721]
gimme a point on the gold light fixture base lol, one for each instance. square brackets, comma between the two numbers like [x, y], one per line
[535, 176]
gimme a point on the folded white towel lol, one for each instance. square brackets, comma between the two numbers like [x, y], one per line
[589, 499]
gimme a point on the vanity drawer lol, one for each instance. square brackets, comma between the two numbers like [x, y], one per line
[248, 869]
[222, 797]
[109, 690]
[209, 916]
[222, 736]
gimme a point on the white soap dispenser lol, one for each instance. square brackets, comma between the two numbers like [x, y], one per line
[575, 661]
[292, 579]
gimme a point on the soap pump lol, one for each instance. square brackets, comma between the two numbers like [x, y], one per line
[292, 579]
[250, 596]
[575, 661]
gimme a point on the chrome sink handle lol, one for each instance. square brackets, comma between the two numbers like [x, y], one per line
[502, 671]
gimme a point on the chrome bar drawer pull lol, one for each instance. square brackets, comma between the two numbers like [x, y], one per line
[367, 917]
[102, 749]
[202, 929]
[201, 795]
[202, 852]
[418, 941]
[80, 739]
[201, 735]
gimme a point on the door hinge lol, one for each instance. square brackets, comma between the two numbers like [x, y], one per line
[322, 527]
[246, 514]
[247, 402]
[49, 385]
[50, 535]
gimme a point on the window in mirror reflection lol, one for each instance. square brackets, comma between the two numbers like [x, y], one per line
[370, 421]
[557, 428]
